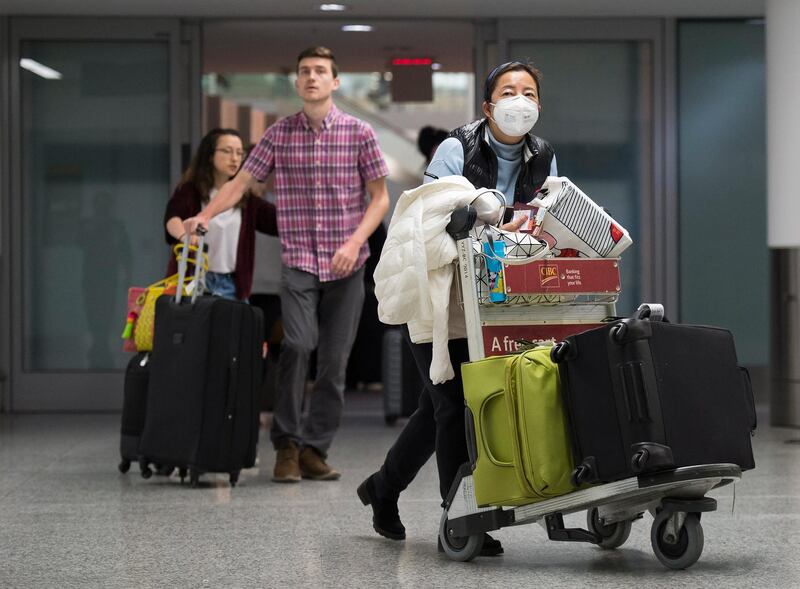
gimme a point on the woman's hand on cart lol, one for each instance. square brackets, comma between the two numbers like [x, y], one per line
[514, 225]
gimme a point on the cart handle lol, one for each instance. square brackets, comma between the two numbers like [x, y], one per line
[461, 221]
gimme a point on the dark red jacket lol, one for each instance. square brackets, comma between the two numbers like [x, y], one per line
[257, 215]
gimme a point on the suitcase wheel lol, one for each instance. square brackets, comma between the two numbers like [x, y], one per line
[124, 465]
[611, 535]
[559, 352]
[677, 548]
[144, 468]
[618, 332]
[234, 478]
[639, 460]
[164, 471]
[581, 474]
[182, 473]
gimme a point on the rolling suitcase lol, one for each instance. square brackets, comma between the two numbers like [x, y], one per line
[134, 407]
[205, 376]
[644, 395]
[402, 383]
[517, 431]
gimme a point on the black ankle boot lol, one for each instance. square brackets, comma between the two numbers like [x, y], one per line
[385, 516]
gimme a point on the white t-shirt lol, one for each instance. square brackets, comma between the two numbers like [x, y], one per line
[223, 239]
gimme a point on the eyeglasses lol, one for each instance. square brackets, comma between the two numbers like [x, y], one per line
[229, 151]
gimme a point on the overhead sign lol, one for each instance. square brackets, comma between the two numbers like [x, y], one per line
[412, 79]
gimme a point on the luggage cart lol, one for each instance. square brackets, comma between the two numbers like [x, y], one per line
[547, 300]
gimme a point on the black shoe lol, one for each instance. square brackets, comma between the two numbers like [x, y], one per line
[491, 547]
[385, 516]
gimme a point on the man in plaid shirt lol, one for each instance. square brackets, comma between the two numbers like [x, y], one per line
[325, 163]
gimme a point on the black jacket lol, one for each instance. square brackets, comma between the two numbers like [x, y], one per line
[480, 161]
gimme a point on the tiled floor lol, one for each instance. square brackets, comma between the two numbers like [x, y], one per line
[69, 519]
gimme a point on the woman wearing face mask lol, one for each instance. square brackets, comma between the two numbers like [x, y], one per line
[498, 152]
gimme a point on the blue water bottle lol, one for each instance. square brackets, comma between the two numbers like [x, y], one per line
[494, 268]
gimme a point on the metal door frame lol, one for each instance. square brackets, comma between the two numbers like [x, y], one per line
[5, 241]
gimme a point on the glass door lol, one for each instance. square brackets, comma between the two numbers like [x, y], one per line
[95, 151]
[599, 111]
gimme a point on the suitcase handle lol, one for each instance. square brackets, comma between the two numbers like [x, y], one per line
[482, 415]
[651, 311]
[183, 262]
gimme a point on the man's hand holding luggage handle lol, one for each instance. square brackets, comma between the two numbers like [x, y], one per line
[230, 193]
[192, 224]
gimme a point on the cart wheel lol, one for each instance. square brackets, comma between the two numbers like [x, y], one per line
[611, 535]
[683, 551]
[124, 465]
[461, 549]
[559, 352]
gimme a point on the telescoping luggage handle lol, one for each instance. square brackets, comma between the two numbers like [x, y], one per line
[183, 262]
[650, 311]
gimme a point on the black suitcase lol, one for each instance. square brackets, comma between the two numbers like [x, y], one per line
[644, 395]
[134, 407]
[402, 383]
[205, 376]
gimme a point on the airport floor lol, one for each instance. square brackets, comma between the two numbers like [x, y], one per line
[68, 518]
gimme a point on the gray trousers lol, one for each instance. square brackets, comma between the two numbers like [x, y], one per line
[322, 316]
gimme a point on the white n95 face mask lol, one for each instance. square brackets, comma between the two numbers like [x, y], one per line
[516, 115]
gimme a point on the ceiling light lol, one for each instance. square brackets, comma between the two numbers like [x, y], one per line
[39, 69]
[332, 7]
[357, 28]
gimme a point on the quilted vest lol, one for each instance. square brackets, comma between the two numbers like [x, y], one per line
[480, 161]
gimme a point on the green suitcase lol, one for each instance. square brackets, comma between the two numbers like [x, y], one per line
[521, 437]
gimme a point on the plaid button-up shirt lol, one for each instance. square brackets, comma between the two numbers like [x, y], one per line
[319, 184]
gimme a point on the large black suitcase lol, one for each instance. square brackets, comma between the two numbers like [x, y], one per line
[134, 408]
[402, 383]
[205, 375]
[644, 395]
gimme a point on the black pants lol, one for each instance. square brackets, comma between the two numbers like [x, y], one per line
[437, 425]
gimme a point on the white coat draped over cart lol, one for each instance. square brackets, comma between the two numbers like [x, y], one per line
[414, 276]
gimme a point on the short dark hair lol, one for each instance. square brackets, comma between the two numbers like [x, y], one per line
[510, 66]
[428, 138]
[319, 51]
